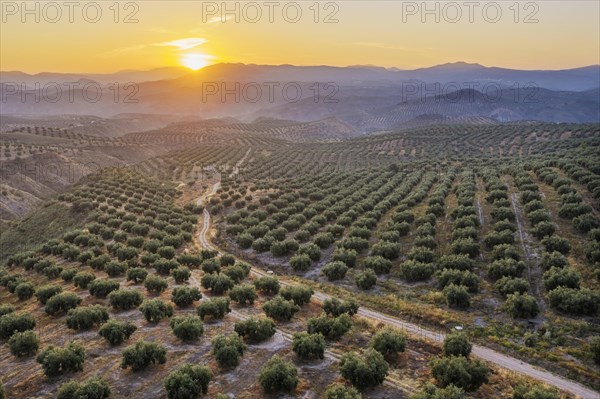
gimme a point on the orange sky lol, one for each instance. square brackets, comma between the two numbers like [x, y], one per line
[387, 33]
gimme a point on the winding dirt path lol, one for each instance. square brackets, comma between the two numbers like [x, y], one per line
[510, 363]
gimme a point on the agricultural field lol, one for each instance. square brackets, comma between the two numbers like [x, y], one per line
[234, 260]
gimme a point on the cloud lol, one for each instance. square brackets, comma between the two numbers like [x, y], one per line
[184, 44]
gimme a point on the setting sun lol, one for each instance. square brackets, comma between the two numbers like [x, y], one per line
[195, 61]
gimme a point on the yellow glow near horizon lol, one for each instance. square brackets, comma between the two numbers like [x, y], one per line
[195, 61]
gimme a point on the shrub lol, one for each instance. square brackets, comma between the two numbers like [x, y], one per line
[278, 375]
[457, 296]
[187, 328]
[299, 294]
[458, 262]
[330, 327]
[575, 301]
[125, 299]
[543, 229]
[115, 269]
[557, 277]
[185, 296]
[154, 310]
[430, 391]
[340, 391]
[100, 288]
[243, 294]
[181, 274]
[236, 272]
[364, 370]
[335, 307]
[12, 323]
[210, 266]
[459, 371]
[62, 303]
[505, 268]
[115, 332]
[217, 283]
[82, 279]
[378, 264]
[457, 344]
[164, 266]
[557, 244]
[458, 277]
[6, 309]
[92, 388]
[254, 329]
[86, 317]
[465, 246]
[300, 262]
[421, 254]
[217, 308]
[280, 309]
[56, 361]
[335, 270]
[309, 346]
[366, 280]
[142, 354]
[413, 271]
[267, 285]
[228, 350]
[68, 274]
[24, 291]
[187, 381]
[511, 285]
[536, 392]
[137, 274]
[521, 305]
[386, 249]
[23, 343]
[348, 256]
[155, 284]
[388, 342]
[595, 349]
[46, 292]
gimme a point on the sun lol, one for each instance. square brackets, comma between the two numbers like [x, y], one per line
[195, 61]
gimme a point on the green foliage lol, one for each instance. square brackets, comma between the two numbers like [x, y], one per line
[217, 283]
[12, 323]
[87, 317]
[100, 288]
[280, 309]
[217, 308]
[388, 341]
[330, 327]
[115, 269]
[46, 292]
[457, 296]
[228, 349]
[457, 344]
[56, 361]
[335, 307]
[595, 349]
[378, 264]
[187, 381]
[278, 375]
[181, 274]
[92, 388]
[365, 370]
[23, 343]
[459, 371]
[521, 305]
[309, 346]
[185, 296]
[137, 274]
[413, 271]
[335, 270]
[62, 303]
[299, 294]
[125, 299]
[187, 328]
[142, 354]
[154, 310]
[511, 285]
[267, 285]
[300, 262]
[155, 284]
[115, 332]
[255, 329]
[557, 277]
[536, 392]
[366, 280]
[458, 277]
[340, 391]
[575, 301]
[558, 244]
[82, 279]
[243, 294]
[430, 391]
[24, 291]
